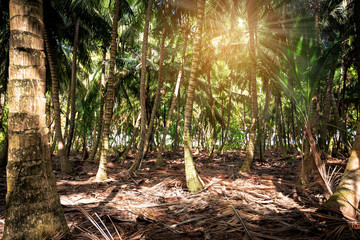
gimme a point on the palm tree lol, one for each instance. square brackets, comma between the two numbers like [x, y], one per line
[109, 105]
[65, 165]
[35, 213]
[72, 94]
[193, 180]
[102, 102]
[140, 154]
[251, 8]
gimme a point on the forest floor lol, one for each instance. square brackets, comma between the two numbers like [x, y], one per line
[155, 204]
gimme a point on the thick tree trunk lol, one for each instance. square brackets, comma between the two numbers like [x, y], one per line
[252, 12]
[347, 194]
[102, 102]
[109, 105]
[159, 160]
[140, 154]
[193, 180]
[33, 209]
[73, 88]
[65, 164]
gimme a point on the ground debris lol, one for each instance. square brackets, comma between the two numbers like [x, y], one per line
[154, 204]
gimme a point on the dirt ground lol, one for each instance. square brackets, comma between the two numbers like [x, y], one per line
[155, 204]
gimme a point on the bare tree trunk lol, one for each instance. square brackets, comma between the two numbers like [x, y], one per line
[193, 180]
[109, 105]
[73, 88]
[140, 154]
[102, 102]
[33, 209]
[252, 21]
[65, 165]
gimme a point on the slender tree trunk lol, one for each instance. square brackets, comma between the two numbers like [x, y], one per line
[65, 164]
[33, 209]
[157, 96]
[159, 160]
[176, 140]
[193, 180]
[264, 118]
[140, 154]
[109, 105]
[213, 119]
[102, 102]
[73, 88]
[132, 140]
[326, 116]
[252, 12]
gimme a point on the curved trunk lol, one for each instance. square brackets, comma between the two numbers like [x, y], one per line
[159, 160]
[347, 194]
[65, 165]
[73, 88]
[102, 171]
[251, 7]
[33, 209]
[193, 180]
[139, 156]
[176, 140]
[157, 96]
[102, 102]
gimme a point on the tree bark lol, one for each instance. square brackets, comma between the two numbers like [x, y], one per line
[73, 88]
[193, 180]
[65, 164]
[33, 209]
[140, 154]
[347, 194]
[109, 105]
[252, 12]
[213, 119]
[102, 102]
[157, 96]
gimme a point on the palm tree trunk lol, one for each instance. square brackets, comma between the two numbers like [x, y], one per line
[140, 154]
[65, 164]
[252, 12]
[213, 119]
[176, 140]
[133, 137]
[157, 96]
[326, 116]
[262, 129]
[347, 194]
[193, 180]
[109, 105]
[102, 102]
[159, 160]
[33, 209]
[73, 88]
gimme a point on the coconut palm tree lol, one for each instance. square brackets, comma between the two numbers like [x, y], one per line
[252, 22]
[109, 104]
[193, 180]
[140, 154]
[36, 214]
